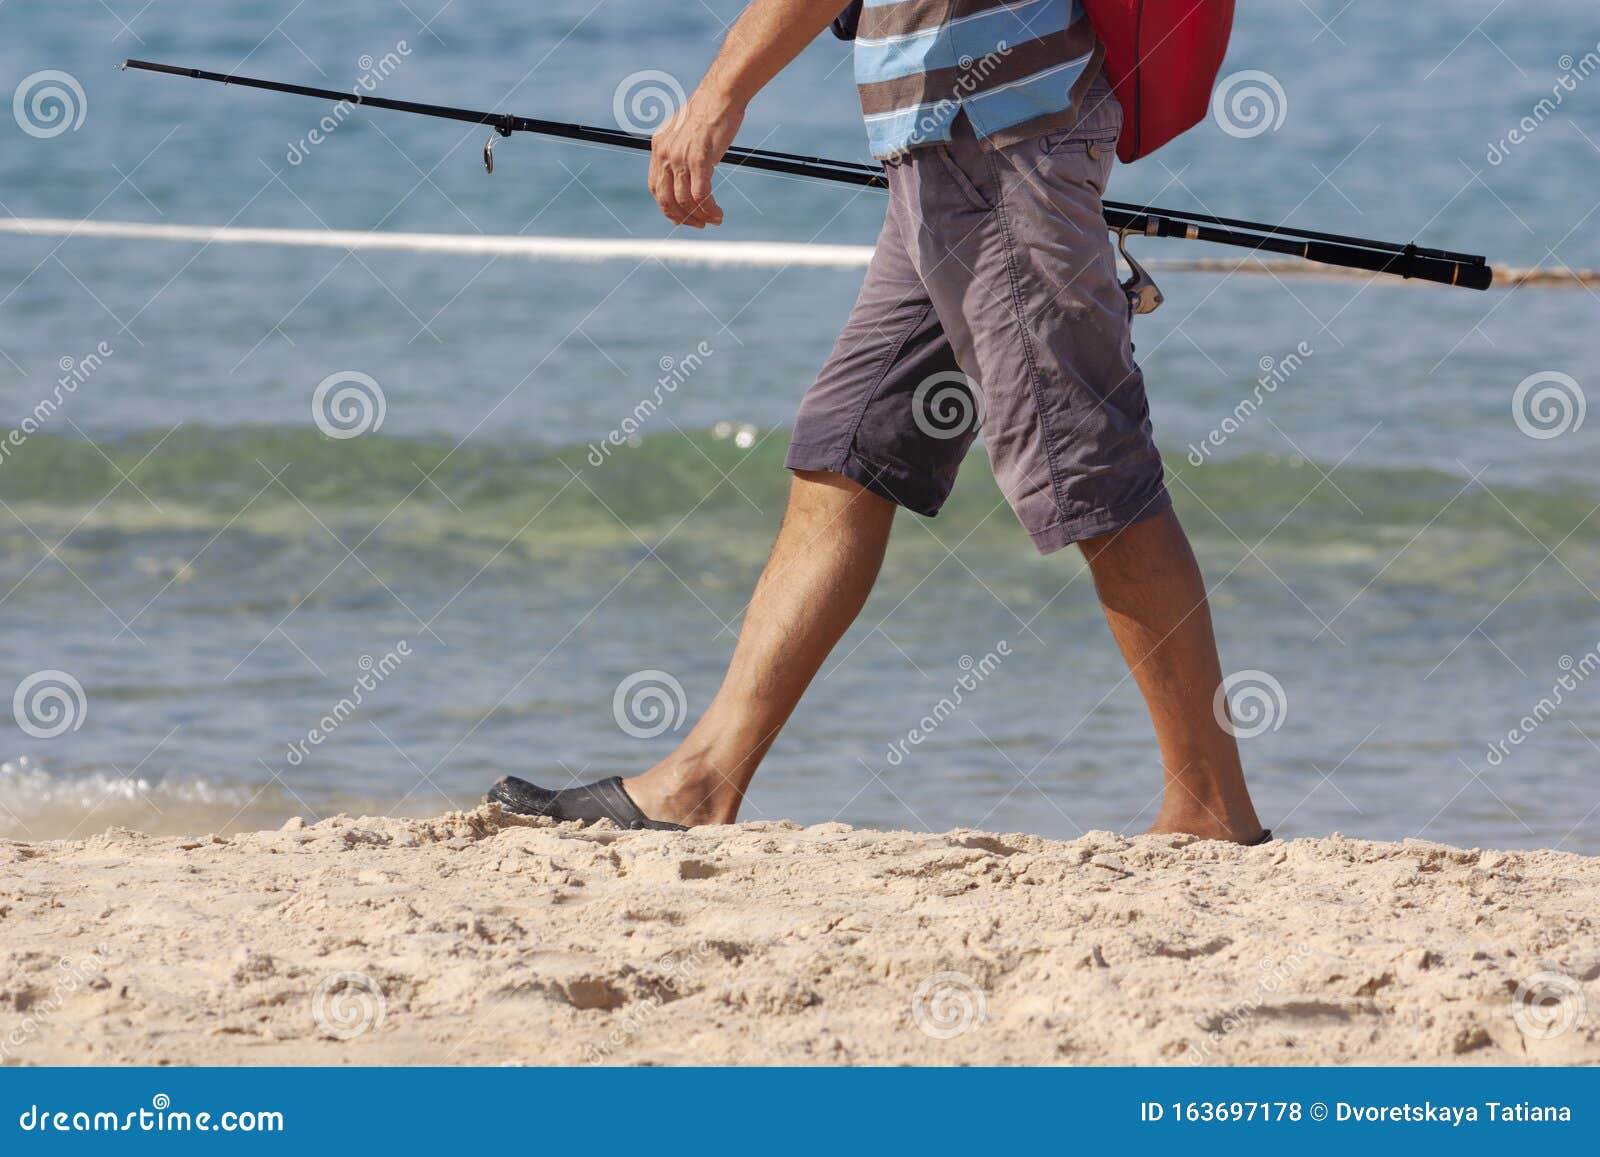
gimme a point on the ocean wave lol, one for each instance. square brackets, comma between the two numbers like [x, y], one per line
[37, 803]
[284, 497]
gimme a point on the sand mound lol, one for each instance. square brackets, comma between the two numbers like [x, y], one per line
[480, 938]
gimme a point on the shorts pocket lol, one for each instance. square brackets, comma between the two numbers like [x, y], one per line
[962, 180]
[1072, 142]
[1081, 160]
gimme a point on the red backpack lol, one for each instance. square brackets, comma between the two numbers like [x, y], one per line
[1162, 57]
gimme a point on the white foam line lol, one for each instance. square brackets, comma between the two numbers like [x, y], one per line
[752, 253]
[746, 253]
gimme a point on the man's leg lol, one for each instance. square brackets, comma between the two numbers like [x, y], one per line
[1155, 600]
[815, 582]
[860, 448]
[1014, 255]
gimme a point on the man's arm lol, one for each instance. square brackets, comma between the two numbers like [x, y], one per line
[760, 45]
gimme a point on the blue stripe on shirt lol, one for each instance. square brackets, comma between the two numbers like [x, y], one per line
[975, 36]
[1039, 95]
[924, 125]
[972, 45]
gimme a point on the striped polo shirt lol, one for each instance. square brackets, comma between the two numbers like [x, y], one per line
[1018, 68]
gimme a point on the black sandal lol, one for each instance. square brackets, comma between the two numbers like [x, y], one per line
[606, 800]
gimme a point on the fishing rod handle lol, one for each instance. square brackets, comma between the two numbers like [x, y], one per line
[1414, 265]
[1467, 275]
[1187, 216]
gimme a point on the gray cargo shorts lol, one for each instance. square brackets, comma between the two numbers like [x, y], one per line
[992, 303]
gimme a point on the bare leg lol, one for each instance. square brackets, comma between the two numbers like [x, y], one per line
[818, 577]
[1155, 600]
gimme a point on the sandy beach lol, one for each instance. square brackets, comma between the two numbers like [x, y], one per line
[477, 938]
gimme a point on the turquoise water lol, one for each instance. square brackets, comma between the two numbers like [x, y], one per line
[179, 537]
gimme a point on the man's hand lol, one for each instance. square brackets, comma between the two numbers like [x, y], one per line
[683, 155]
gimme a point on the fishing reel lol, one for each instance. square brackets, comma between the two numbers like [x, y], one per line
[1144, 295]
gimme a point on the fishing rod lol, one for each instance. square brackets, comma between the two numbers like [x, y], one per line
[1409, 261]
